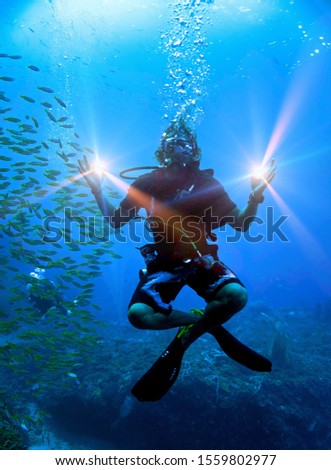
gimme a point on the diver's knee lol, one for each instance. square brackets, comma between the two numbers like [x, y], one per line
[234, 295]
[137, 313]
[134, 316]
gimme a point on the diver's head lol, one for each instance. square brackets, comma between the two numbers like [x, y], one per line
[179, 146]
[38, 273]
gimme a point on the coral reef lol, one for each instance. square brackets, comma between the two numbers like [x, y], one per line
[215, 403]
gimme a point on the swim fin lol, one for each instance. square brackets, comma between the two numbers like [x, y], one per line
[239, 352]
[156, 382]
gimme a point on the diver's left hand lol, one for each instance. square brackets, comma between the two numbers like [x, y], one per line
[93, 179]
[259, 184]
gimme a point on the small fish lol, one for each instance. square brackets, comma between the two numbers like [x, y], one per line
[3, 55]
[26, 127]
[34, 180]
[35, 122]
[7, 79]
[45, 89]
[62, 119]
[56, 141]
[62, 155]
[50, 115]
[32, 242]
[61, 103]
[12, 268]
[47, 105]
[21, 151]
[18, 178]
[12, 119]
[73, 376]
[5, 110]
[46, 146]
[67, 126]
[34, 68]
[14, 132]
[73, 246]
[40, 193]
[76, 146]
[27, 141]
[15, 57]
[51, 177]
[39, 163]
[35, 149]
[3, 97]
[19, 164]
[54, 172]
[27, 98]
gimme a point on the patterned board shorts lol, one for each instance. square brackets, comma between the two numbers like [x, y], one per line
[161, 284]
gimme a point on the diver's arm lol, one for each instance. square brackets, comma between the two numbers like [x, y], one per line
[116, 216]
[241, 219]
[107, 209]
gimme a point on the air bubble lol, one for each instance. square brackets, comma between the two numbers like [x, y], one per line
[184, 41]
[176, 43]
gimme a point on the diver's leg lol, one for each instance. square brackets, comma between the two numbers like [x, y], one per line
[145, 317]
[228, 300]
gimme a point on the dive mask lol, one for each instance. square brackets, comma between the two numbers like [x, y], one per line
[178, 151]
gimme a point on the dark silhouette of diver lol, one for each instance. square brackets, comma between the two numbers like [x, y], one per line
[184, 205]
[43, 294]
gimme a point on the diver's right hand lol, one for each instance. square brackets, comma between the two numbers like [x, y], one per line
[91, 177]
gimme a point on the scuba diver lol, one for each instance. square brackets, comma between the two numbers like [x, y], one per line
[43, 294]
[184, 204]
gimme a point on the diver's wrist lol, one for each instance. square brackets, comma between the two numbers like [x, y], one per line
[255, 198]
[96, 191]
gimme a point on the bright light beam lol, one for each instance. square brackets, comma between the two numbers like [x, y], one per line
[312, 250]
[259, 172]
[99, 167]
[296, 97]
[117, 182]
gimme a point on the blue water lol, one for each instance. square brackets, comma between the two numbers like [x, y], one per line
[258, 84]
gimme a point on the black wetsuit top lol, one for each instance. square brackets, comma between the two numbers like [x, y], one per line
[181, 215]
